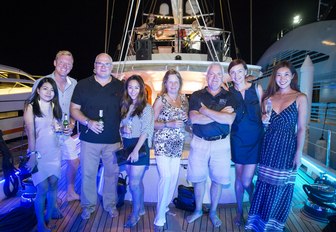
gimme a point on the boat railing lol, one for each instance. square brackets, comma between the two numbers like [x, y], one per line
[319, 146]
[324, 112]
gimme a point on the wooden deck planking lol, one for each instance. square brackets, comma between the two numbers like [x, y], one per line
[100, 220]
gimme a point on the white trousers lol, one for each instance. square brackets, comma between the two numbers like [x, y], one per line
[168, 168]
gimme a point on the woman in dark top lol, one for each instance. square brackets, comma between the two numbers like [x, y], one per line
[246, 132]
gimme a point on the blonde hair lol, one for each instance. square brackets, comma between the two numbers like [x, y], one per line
[63, 53]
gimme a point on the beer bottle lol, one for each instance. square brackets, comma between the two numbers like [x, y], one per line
[66, 121]
[101, 117]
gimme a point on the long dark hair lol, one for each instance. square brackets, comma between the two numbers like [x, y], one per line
[165, 79]
[272, 87]
[127, 101]
[35, 97]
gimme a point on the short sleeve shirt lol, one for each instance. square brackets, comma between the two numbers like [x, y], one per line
[217, 103]
[92, 97]
[63, 97]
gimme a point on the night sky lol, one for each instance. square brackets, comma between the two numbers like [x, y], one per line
[33, 31]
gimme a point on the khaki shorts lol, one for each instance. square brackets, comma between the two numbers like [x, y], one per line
[211, 158]
[69, 148]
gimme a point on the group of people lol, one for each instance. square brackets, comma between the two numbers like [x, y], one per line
[223, 119]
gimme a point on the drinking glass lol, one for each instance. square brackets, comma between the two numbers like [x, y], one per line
[127, 131]
[57, 127]
[268, 112]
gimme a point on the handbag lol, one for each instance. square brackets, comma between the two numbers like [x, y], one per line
[22, 165]
[185, 199]
[123, 154]
[24, 173]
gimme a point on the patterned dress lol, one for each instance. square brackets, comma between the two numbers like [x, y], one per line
[169, 141]
[275, 185]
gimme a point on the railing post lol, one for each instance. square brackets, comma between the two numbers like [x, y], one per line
[328, 148]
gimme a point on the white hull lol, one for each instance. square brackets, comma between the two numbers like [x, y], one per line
[15, 88]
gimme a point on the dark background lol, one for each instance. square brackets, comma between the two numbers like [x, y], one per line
[32, 31]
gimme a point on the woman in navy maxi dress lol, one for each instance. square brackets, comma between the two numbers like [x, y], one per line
[281, 151]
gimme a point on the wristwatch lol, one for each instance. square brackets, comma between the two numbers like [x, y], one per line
[87, 122]
[38, 155]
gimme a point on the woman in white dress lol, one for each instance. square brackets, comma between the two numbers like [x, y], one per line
[42, 112]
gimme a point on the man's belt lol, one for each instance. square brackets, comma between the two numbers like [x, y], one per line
[213, 138]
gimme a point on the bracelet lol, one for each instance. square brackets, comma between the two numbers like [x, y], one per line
[87, 122]
[38, 155]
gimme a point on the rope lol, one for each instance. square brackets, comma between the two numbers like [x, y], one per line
[222, 14]
[125, 33]
[212, 52]
[110, 29]
[233, 34]
[130, 7]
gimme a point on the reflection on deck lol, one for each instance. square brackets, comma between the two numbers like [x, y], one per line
[100, 221]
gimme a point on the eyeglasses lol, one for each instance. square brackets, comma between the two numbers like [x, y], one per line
[100, 64]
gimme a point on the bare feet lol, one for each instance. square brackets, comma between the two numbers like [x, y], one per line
[194, 216]
[142, 211]
[239, 220]
[158, 228]
[132, 221]
[215, 219]
[43, 228]
[56, 214]
[72, 196]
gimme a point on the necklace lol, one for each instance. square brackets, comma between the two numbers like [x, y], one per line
[173, 100]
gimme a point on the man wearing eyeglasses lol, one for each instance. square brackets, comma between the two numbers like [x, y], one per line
[65, 85]
[211, 111]
[99, 92]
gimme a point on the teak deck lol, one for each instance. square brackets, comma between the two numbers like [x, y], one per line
[100, 220]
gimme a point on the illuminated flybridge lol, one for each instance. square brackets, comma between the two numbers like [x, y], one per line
[154, 48]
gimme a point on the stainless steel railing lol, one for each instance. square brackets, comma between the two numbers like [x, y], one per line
[319, 145]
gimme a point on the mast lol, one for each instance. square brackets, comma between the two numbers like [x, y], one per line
[177, 8]
[251, 31]
[106, 26]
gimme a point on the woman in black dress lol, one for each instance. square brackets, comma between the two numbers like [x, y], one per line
[246, 132]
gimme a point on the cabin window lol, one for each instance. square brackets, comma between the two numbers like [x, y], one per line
[11, 114]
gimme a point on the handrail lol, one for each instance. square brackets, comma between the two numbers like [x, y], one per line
[324, 147]
[328, 148]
